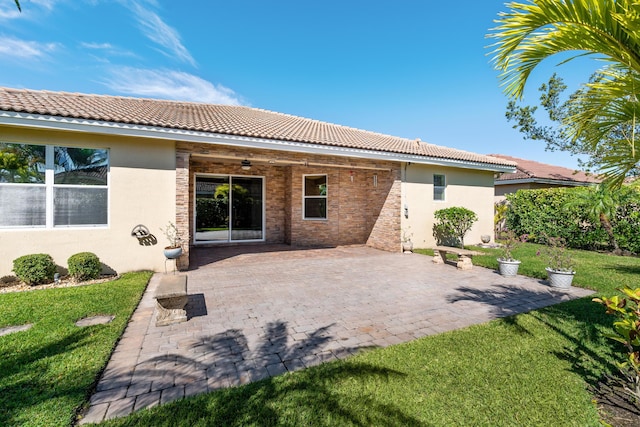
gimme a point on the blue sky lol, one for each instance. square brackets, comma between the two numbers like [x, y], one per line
[410, 68]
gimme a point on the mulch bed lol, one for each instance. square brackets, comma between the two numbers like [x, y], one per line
[615, 405]
[64, 282]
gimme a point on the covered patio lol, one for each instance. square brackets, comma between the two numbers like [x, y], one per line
[263, 310]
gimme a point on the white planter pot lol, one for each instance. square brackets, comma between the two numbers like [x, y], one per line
[508, 268]
[560, 279]
[172, 253]
[407, 247]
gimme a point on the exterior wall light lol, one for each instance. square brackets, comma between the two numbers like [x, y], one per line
[245, 165]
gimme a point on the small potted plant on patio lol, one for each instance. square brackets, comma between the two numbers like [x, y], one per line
[407, 244]
[507, 265]
[174, 250]
[560, 263]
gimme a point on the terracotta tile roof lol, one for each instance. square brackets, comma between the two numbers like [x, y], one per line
[531, 170]
[222, 119]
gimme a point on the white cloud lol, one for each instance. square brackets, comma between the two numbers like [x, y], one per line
[9, 11]
[170, 84]
[23, 49]
[106, 48]
[48, 4]
[159, 32]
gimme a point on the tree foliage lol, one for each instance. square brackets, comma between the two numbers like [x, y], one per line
[605, 110]
[453, 223]
[558, 136]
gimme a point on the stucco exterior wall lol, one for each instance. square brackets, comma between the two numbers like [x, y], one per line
[142, 184]
[472, 189]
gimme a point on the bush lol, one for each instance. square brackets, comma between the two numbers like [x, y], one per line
[84, 266]
[35, 269]
[452, 224]
[627, 332]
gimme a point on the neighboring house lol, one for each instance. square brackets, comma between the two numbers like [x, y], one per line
[531, 175]
[81, 172]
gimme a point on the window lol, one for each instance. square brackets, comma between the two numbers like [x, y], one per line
[47, 186]
[439, 186]
[315, 197]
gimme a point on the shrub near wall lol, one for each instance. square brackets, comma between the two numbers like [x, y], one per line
[84, 266]
[561, 212]
[35, 269]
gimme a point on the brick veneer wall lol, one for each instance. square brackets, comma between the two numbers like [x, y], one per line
[358, 212]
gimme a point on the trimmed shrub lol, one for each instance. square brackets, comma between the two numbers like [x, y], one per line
[452, 224]
[84, 266]
[34, 269]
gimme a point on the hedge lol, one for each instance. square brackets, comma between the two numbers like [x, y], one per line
[562, 212]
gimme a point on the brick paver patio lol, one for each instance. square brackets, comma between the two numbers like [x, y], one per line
[261, 311]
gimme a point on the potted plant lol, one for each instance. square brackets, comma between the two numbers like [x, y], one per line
[560, 263]
[174, 250]
[407, 244]
[507, 265]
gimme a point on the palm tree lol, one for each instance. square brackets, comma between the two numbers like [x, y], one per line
[608, 29]
[18, 5]
[601, 204]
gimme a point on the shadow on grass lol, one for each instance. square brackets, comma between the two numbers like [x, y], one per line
[625, 269]
[27, 382]
[583, 323]
[580, 322]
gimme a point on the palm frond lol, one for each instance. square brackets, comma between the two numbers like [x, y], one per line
[532, 32]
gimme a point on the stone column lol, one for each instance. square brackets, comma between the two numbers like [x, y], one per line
[182, 206]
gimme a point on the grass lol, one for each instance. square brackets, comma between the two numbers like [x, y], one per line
[47, 372]
[531, 369]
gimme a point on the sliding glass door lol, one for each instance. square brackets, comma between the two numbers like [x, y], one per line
[229, 209]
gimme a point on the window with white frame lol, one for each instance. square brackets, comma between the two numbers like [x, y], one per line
[53, 186]
[439, 186]
[314, 197]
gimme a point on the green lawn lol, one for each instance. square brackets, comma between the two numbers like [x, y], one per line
[530, 369]
[47, 372]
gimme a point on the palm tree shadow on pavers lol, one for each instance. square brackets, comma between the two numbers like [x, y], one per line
[507, 300]
[227, 359]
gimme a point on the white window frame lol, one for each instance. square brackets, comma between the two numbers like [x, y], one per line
[305, 197]
[442, 187]
[49, 185]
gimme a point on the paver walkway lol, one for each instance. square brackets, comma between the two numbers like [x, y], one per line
[254, 315]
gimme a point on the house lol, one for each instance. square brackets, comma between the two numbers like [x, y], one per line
[530, 175]
[105, 174]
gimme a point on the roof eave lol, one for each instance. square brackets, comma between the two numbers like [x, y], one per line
[13, 118]
[543, 181]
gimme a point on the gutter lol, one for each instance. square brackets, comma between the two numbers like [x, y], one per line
[39, 121]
